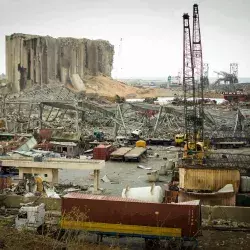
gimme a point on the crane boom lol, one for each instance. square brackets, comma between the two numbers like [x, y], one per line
[188, 83]
[198, 70]
[193, 87]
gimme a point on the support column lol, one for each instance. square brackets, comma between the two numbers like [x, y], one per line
[96, 180]
[41, 114]
[51, 109]
[64, 113]
[54, 176]
[157, 121]
[116, 126]
[76, 121]
[120, 112]
[20, 173]
[30, 111]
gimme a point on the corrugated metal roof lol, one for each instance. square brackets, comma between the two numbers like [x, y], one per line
[114, 198]
[100, 197]
[63, 143]
[192, 203]
[31, 143]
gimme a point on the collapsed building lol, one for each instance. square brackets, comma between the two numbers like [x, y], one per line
[32, 59]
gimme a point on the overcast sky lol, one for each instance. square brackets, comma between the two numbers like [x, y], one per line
[151, 30]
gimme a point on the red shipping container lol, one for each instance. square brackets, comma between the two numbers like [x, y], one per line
[102, 152]
[5, 182]
[116, 210]
[45, 134]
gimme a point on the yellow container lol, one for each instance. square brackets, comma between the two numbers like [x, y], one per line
[141, 144]
[208, 179]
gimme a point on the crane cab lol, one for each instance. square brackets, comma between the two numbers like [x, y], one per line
[192, 151]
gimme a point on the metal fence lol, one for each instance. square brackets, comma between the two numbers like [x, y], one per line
[218, 160]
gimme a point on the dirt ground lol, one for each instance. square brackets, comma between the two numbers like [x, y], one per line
[106, 86]
[225, 240]
[122, 174]
[11, 239]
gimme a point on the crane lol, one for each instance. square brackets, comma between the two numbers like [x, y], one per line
[188, 81]
[198, 69]
[193, 86]
[188, 86]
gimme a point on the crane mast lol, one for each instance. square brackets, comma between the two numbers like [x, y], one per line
[198, 71]
[189, 84]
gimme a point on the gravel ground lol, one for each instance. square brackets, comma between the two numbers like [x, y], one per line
[121, 173]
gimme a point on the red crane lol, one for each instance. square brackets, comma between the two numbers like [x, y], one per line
[198, 69]
[188, 83]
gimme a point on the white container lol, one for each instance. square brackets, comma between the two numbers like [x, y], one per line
[245, 184]
[163, 170]
[150, 194]
[153, 176]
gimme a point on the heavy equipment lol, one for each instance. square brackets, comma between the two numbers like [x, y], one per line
[193, 88]
[179, 139]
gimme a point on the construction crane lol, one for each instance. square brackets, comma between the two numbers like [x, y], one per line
[188, 82]
[193, 87]
[188, 86]
[198, 70]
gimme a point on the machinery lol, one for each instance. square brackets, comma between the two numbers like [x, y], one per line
[193, 88]
[179, 139]
[136, 133]
[99, 135]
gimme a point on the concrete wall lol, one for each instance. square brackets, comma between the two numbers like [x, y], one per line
[40, 59]
[13, 201]
[238, 214]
